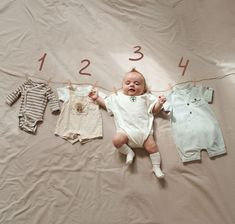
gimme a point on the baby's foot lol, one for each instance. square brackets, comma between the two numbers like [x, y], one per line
[129, 157]
[158, 172]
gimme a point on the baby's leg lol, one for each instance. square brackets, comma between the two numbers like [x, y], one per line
[152, 148]
[120, 141]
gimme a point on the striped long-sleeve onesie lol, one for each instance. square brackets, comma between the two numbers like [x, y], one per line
[34, 97]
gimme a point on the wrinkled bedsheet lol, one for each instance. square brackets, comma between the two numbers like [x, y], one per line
[45, 179]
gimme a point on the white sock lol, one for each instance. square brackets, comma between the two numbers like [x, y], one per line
[156, 162]
[125, 149]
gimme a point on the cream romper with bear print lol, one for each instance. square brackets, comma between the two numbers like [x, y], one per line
[80, 119]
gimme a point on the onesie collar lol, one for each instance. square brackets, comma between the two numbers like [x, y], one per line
[183, 88]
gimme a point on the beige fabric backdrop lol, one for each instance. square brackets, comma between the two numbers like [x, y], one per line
[44, 179]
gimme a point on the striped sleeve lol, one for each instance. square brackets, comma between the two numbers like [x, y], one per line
[52, 100]
[15, 95]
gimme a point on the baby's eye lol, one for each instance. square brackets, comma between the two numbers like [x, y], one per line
[127, 83]
[137, 83]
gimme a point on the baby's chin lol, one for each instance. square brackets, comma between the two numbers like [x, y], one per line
[131, 93]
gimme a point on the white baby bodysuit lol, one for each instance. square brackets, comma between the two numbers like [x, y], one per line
[133, 115]
[80, 118]
[193, 122]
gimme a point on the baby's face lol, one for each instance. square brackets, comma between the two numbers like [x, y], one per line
[133, 84]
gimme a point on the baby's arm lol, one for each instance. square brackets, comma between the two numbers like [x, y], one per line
[158, 106]
[96, 98]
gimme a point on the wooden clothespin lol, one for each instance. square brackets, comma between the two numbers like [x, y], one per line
[49, 80]
[26, 77]
[115, 90]
[70, 86]
[170, 86]
[148, 89]
[94, 85]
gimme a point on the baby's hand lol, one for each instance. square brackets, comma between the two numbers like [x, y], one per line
[161, 99]
[93, 94]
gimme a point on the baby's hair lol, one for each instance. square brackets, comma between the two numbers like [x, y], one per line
[145, 84]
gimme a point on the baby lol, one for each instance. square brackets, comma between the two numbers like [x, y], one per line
[133, 110]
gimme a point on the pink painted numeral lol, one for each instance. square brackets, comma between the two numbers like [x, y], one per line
[42, 59]
[183, 66]
[87, 63]
[141, 55]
